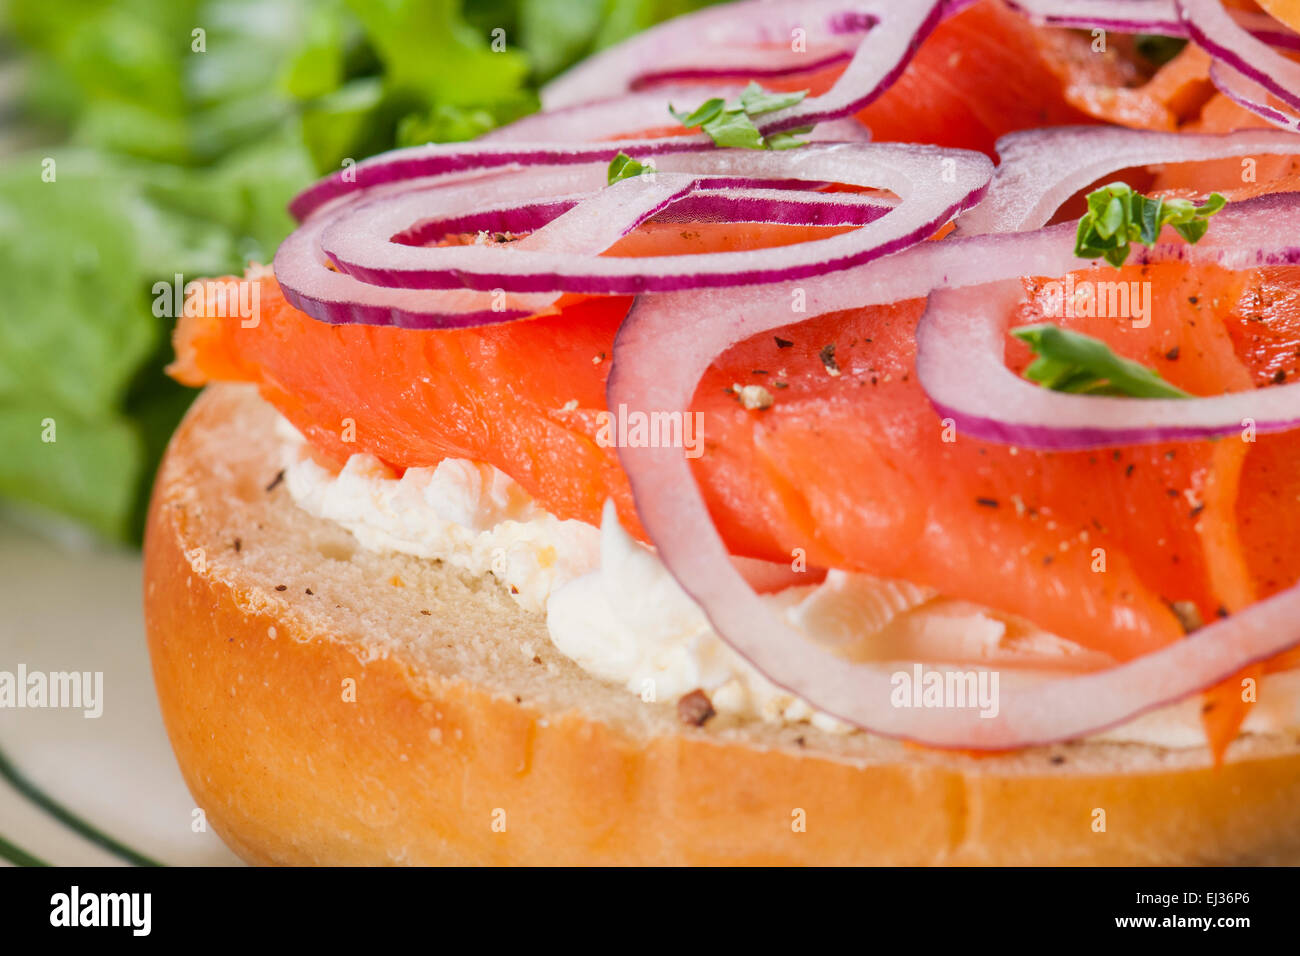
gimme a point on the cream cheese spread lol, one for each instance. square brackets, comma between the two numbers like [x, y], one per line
[614, 609]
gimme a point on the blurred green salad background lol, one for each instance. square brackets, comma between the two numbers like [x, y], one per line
[144, 138]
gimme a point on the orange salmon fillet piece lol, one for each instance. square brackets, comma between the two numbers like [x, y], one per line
[849, 468]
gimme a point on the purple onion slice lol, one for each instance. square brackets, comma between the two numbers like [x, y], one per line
[1040, 169]
[932, 185]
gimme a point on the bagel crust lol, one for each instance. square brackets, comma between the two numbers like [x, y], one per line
[312, 731]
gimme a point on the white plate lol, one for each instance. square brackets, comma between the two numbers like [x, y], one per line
[65, 608]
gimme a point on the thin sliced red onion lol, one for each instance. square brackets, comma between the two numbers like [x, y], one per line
[887, 33]
[738, 203]
[932, 185]
[512, 218]
[1123, 16]
[727, 201]
[1250, 96]
[1214, 30]
[595, 122]
[1265, 28]
[1159, 17]
[1040, 169]
[450, 163]
[755, 39]
[668, 342]
[465, 159]
[730, 63]
[563, 220]
[542, 139]
[312, 287]
[631, 114]
[961, 344]
[961, 347]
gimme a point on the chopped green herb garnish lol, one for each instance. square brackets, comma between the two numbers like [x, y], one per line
[704, 113]
[732, 123]
[786, 138]
[1073, 362]
[733, 128]
[1118, 216]
[756, 100]
[624, 166]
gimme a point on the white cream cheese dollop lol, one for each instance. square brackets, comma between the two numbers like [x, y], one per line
[470, 515]
[628, 621]
[615, 610]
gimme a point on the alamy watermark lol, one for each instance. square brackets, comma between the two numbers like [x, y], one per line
[133, 911]
[946, 689]
[68, 690]
[220, 298]
[624, 428]
[1085, 298]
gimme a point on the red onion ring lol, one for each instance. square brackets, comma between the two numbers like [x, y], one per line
[961, 344]
[1040, 169]
[360, 242]
[440, 160]
[533, 203]
[663, 350]
[1215, 31]
[739, 204]
[537, 140]
[713, 201]
[890, 32]
[310, 286]
[1263, 27]
[1159, 17]
[1250, 96]
[1123, 16]
[592, 122]
[706, 45]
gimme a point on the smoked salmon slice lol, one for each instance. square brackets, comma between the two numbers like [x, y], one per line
[849, 465]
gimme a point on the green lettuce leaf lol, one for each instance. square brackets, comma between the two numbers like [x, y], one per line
[173, 159]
